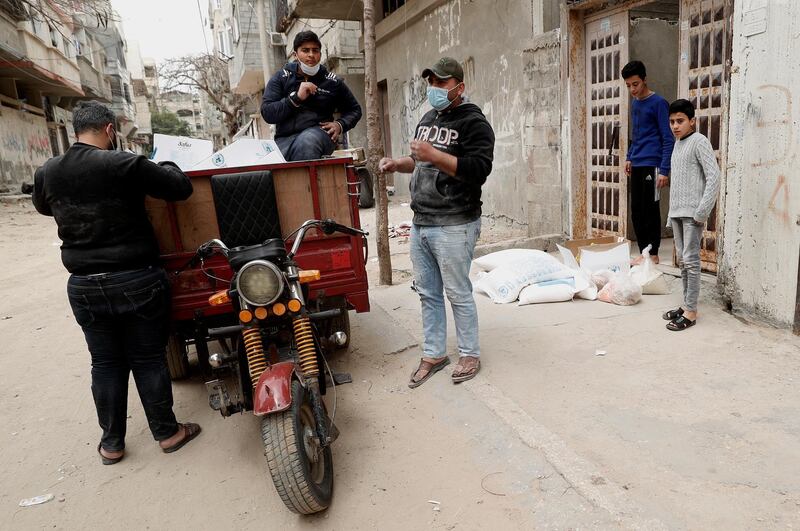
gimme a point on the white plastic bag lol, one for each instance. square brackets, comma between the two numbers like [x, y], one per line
[601, 278]
[648, 276]
[584, 287]
[621, 290]
[559, 290]
[503, 283]
[617, 259]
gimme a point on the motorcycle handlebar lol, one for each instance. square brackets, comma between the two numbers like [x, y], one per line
[328, 226]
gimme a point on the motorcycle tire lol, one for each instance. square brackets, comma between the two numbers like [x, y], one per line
[177, 362]
[304, 482]
[366, 198]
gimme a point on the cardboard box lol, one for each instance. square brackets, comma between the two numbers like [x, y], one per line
[243, 152]
[183, 151]
[597, 244]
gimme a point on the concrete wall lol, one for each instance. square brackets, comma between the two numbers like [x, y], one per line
[513, 78]
[655, 42]
[761, 234]
[24, 146]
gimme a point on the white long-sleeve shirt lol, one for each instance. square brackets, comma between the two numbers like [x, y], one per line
[694, 183]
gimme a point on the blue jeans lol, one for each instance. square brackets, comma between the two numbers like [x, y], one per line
[311, 144]
[442, 256]
[125, 319]
[688, 236]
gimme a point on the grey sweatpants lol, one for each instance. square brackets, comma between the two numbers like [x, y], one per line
[688, 234]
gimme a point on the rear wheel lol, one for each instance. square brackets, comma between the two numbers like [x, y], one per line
[177, 362]
[301, 469]
[366, 198]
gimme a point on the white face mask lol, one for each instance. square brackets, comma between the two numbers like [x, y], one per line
[309, 70]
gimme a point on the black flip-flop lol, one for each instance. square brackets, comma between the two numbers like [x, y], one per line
[672, 314]
[432, 369]
[681, 323]
[192, 431]
[108, 460]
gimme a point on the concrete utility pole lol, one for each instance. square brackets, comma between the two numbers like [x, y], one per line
[375, 146]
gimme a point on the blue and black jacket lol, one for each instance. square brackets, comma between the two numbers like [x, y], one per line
[332, 96]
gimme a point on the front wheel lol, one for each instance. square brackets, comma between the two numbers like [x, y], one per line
[301, 469]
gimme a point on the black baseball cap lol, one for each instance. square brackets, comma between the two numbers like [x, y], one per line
[445, 68]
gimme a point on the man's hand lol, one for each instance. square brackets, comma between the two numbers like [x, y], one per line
[627, 167]
[387, 165]
[306, 89]
[662, 181]
[334, 129]
[424, 151]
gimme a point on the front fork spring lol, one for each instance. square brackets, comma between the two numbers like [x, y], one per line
[253, 346]
[307, 353]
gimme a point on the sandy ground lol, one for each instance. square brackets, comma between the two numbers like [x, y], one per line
[697, 430]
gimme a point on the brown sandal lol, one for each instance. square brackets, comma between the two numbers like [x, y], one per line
[432, 369]
[191, 430]
[466, 369]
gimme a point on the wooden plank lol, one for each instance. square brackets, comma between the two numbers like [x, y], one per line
[197, 217]
[333, 193]
[159, 219]
[293, 195]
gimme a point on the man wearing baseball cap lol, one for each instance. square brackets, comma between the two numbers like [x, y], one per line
[451, 157]
[300, 100]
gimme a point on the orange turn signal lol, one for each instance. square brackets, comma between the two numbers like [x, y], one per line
[309, 275]
[245, 316]
[279, 309]
[219, 298]
[261, 312]
[294, 305]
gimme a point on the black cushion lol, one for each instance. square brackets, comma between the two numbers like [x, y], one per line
[247, 212]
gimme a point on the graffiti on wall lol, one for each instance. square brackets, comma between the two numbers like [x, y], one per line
[24, 146]
[774, 124]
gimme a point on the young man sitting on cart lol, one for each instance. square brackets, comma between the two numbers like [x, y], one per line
[300, 100]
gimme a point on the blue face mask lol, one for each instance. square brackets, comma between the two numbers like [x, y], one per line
[439, 97]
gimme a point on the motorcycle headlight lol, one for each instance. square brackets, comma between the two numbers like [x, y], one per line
[259, 283]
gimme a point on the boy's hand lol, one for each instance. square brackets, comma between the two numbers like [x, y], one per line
[627, 167]
[306, 89]
[662, 181]
[334, 129]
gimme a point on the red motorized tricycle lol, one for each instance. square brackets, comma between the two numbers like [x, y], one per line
[266, 262]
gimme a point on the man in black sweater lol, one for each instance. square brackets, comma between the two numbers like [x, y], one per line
[300, 100]
[117, 289]
[451, 157]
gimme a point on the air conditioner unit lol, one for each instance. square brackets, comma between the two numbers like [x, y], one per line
[277, 39]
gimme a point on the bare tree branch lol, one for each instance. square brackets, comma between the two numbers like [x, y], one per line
[209, 74]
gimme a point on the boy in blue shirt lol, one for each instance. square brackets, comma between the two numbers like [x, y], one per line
[648, 160]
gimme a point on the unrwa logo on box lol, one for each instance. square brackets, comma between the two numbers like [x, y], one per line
[218, 160]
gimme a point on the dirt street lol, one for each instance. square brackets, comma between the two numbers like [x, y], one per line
[692, 431]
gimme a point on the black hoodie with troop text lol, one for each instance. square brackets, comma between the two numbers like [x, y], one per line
[441, 199]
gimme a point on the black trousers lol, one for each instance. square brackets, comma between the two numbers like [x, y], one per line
[645, 210]
[124, 317]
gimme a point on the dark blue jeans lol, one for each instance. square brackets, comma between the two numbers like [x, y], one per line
[311, 144]
[125, 319]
